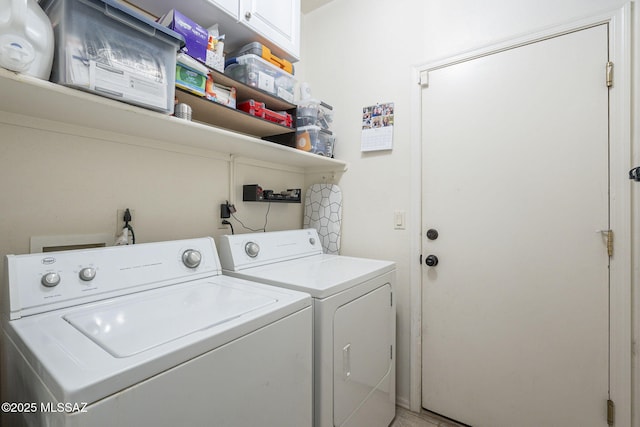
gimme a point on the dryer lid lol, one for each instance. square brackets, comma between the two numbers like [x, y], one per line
[129, 327]
[320, 275]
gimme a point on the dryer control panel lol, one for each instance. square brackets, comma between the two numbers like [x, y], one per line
[240, 251]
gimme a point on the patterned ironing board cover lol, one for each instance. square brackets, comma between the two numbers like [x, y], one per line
[323, 211]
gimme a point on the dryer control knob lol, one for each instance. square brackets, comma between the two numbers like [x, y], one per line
[50, 280]
[252, 249]
[191, 258]
[87, 274]
[312, 241]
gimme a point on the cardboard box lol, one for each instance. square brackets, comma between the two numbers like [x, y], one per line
[195, 36]
[190, 79]
[221, 94]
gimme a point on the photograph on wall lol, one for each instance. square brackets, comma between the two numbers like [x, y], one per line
[377, 127]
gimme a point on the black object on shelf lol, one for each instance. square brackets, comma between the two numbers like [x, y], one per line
[255, 193]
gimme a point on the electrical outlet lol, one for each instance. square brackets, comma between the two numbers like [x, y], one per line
[222, 226]
[120, 220]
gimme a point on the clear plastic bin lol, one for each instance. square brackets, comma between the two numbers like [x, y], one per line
[313, 112]
[256, 72]
[257, 48]
[315, 140]
[105, 48]
[326, 143]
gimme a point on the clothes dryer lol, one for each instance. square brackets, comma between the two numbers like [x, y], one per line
[354, 319]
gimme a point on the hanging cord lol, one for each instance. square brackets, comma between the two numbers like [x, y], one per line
[266, 219]
[225, 222]
[127, 219]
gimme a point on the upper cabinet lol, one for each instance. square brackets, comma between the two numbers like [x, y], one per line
[275, 23]
[232, 7]
[276, 20]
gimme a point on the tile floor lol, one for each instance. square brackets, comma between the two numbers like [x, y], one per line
[406, 418]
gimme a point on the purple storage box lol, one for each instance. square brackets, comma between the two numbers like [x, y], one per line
[195, 36]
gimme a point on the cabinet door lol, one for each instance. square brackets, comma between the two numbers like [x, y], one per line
[203, 12]
[232, 7]
[276, 20]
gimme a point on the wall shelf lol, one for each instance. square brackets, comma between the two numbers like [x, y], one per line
[29, 96]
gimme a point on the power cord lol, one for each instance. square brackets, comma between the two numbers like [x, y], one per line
[225, 222]
[127, 220]
[123, 237]
[264, 228]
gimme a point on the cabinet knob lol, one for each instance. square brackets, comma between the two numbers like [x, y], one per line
[247, 16]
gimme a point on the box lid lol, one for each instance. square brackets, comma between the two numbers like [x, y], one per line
[130, 17]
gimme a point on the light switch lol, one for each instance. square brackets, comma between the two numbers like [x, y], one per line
[399, 219]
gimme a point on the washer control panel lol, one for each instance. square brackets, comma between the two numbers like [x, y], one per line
[46, 281]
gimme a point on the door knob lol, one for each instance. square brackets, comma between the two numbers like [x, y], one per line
[431, 260]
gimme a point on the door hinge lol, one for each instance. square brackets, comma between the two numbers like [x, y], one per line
[609, 236]
[424, 78]
[391, 352]
[609, 74]
[611, 412]
[391, 299]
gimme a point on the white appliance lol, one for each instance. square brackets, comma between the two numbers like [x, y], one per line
[151, 335]
[354, 319]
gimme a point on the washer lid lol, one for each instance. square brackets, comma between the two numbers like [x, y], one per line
[76, 363]
[129, 327]
[320, 275]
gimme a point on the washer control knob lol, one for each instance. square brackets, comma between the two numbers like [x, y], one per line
[191, 258]
[50, 280]
[87, 274]
[252, 249]
[312, 240]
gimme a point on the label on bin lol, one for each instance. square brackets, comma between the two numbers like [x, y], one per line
[266, 82]
[121, 83]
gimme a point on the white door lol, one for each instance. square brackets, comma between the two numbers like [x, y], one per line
[515, 181]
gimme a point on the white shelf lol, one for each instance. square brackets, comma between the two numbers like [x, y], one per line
[26, 95]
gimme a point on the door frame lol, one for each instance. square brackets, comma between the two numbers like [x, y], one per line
[620, 148]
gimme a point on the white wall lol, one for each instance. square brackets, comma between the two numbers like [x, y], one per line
[63, 180]
[359, 52]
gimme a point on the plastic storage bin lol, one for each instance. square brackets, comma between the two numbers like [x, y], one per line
[105, 48]
[315, 140]
[257, 48]
[326, 142]
[312, 112]
[256, 72]
[258, 109]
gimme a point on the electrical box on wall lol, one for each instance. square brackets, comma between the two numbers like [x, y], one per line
[255, 193]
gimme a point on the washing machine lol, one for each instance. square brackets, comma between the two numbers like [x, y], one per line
[151, 335]
[353, 316]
